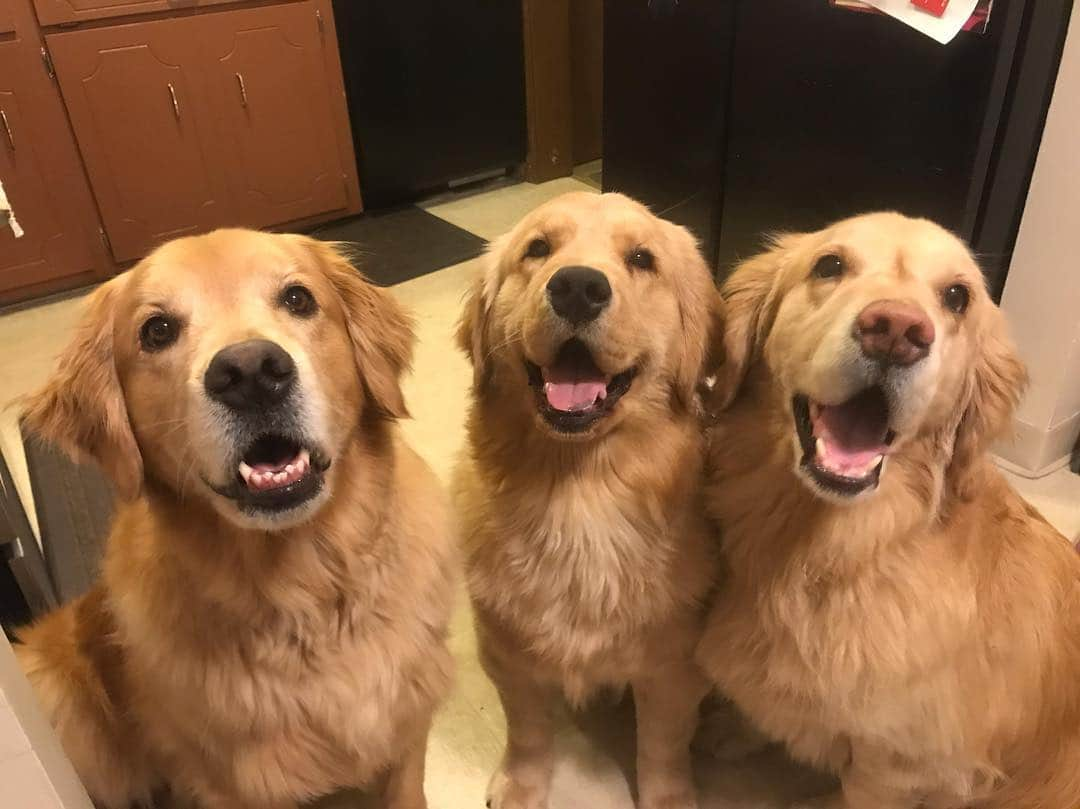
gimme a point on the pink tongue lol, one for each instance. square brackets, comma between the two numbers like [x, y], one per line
[850, 443]
[845, 462]
[273, 467]
[570, 396]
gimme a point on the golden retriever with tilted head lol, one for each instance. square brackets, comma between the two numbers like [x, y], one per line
[588, 554]
[895, 612]
[271, 621]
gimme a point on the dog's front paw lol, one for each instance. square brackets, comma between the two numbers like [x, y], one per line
[508, 792]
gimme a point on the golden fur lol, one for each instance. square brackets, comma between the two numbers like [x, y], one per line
[923, 640]
[588, 557]
[250, 665]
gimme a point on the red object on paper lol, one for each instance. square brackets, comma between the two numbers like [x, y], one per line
[935, 7]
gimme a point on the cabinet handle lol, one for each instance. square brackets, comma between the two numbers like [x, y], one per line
[319, 21]
[7, 130]
[243, 90]
[175, 103]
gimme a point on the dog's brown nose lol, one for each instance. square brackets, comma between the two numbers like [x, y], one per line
[250, 375]
[579, 294]
[894, 332]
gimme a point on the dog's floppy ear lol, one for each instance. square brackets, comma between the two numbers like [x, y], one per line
[473, 327]
[995, 384]
[81, 409]
[701, 312]
[380, 330]
[750, 298]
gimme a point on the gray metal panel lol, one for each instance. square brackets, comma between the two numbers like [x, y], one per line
[74, 508]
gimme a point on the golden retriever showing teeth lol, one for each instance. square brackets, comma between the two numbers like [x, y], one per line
[588, 555]
[271, 621]
[895, 612]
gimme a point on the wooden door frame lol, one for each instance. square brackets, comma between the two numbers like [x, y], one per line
[548, 90]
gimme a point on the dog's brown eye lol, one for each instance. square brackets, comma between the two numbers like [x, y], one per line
[299, 300]
[538, 248]
[158, 332]
[830, 266]
[642, 259]
[956, 298]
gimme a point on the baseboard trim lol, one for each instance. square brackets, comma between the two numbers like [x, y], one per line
[1034, 452]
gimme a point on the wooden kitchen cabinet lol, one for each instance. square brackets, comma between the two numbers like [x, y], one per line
[133, 93]
[195, 122]
[270, 95]
[42, 175]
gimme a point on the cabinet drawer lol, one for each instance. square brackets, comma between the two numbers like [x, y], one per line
[57, 12]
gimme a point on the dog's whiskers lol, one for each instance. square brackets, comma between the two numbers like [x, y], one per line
[182, 475]
[509, 341]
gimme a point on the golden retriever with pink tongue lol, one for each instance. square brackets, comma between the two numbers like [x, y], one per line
[894, 612]
[588, 552]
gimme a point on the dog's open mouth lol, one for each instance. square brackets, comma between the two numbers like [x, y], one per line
[276, 473]
[844, 445]
[573, 393]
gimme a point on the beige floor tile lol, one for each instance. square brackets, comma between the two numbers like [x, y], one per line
[436, 389]
[492, 214]
[591, 173]
[30, 341]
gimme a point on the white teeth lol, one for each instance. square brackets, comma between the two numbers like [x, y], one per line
[820, 447]
[291, 472]
[874, 463]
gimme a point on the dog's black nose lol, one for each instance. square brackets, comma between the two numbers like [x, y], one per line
[579, 294]
[250, 375]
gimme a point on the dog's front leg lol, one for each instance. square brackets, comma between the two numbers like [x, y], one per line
[666, 704]
[403, 785]
[524, 777]
[873, 780]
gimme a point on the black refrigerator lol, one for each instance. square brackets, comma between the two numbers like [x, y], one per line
[435, 90]
[740, 117]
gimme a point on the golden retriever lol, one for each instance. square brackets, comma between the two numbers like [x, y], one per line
[588, 554]
[271, 621]
[895, 612]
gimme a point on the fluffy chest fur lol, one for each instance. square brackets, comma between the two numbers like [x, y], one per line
[856, 614]
[888, 627]
[584, 559]
[291, 665]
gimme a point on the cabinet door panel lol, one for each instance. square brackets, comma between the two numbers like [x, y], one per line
[132, 93]
[42, 177]
[271, 98]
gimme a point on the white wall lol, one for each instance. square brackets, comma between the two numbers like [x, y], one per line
[1042, 294]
